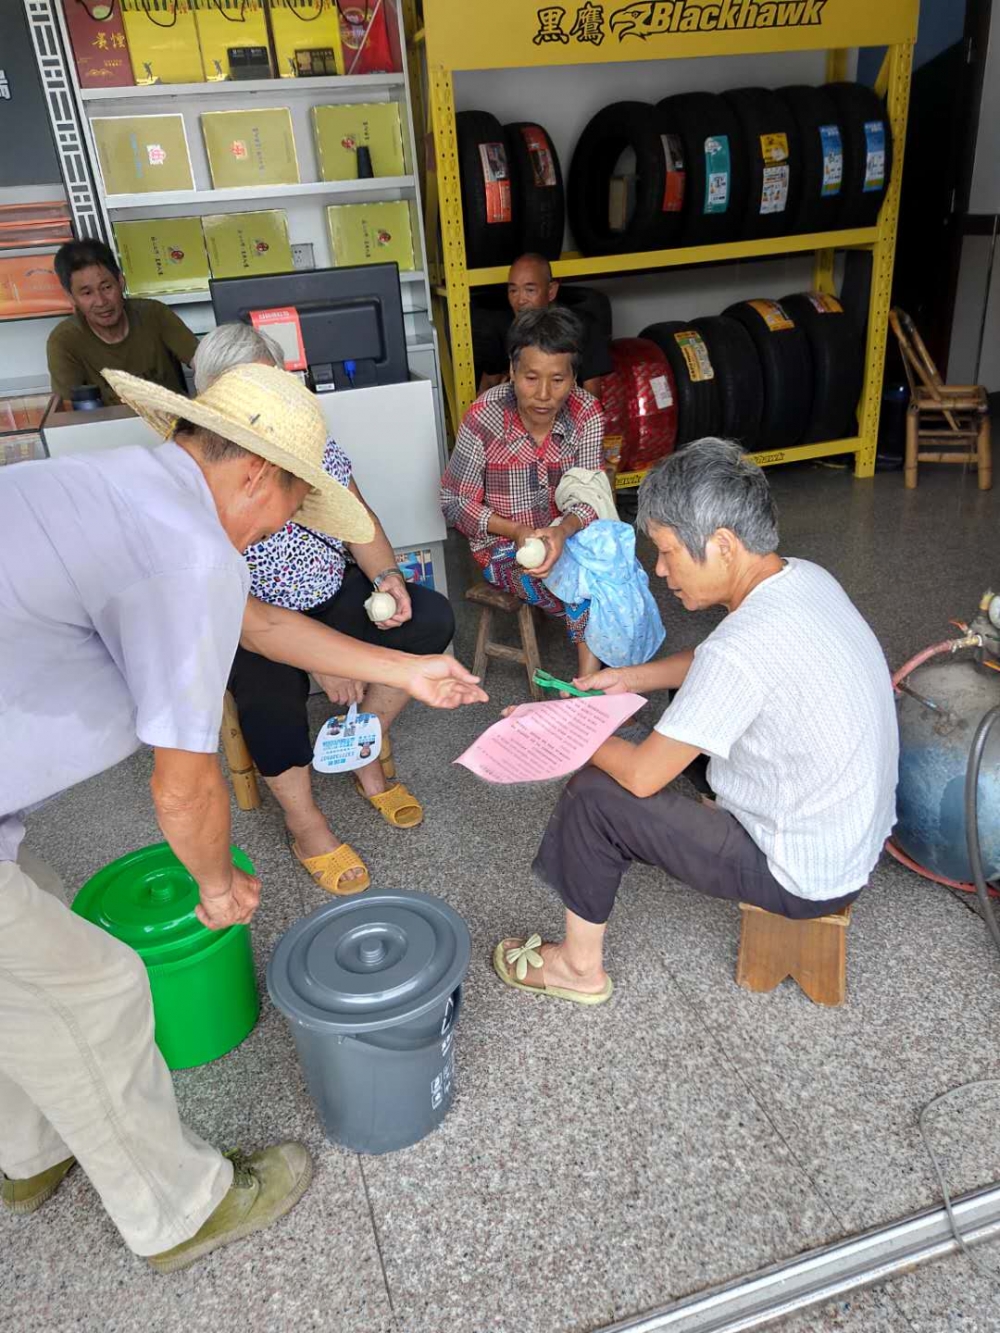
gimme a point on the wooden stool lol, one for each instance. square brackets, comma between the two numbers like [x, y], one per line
[954, 419]
[241, 769]
[495, 599]
[813, 953]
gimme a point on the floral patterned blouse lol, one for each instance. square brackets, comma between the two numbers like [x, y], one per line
[297, 568]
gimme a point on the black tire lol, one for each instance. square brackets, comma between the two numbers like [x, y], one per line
[838, 360]
[698, 410]
[822, 159]
[622, 125]
[539, 201]
[762, 113]
[698, 118]
[857, 107]
[739, 383]
[786, 369]
[486, 243]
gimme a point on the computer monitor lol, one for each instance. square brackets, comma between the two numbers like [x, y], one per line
[351, 319]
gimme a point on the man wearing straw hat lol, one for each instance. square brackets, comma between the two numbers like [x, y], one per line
[123, 596]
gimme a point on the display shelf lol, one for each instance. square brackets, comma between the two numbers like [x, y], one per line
[206, 200]
[522, 35]
[801, 453]
[202, 297]
[357, 85]
[574, 265]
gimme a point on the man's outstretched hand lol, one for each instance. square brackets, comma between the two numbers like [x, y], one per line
[234, 906]
[441, 682]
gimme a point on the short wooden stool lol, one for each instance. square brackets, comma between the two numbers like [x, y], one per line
[241, 770]
[495, 599]
[813, 953]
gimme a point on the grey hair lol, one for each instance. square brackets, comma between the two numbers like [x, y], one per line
[708, 485]
[554, 329]
[232, 345]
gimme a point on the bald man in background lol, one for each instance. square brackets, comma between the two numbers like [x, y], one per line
[531, 286]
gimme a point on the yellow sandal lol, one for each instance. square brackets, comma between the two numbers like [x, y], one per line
[386, 760]
[392, 804]
[329, 870]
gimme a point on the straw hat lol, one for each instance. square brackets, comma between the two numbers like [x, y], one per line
[274, 416]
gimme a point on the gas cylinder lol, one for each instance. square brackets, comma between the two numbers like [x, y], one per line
[935, 737]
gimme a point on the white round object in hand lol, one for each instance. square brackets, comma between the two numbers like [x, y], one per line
[380, 606]
[532, 553]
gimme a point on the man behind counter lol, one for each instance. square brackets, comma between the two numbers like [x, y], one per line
[145, 338]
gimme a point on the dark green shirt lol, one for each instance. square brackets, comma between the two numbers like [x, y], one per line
[156, 341]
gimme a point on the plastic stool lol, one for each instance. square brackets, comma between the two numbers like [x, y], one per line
[813, 953]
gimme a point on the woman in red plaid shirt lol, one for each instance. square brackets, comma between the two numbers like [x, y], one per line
[513, 447]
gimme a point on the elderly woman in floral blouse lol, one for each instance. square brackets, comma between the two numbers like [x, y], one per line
[301, 570]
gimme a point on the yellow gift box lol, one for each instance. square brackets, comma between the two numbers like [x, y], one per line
[162, 41]
[300, 25]
[226, 23]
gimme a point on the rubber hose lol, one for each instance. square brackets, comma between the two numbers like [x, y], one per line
[972, 818]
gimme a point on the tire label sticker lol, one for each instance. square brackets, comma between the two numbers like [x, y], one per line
[874, 156]
[661, 392]
[774, 188]
[496, 179]
[773, 315]
[695, 354]
[543, 168]
[716, 174]
[833, 159]
[673, 188]
[825, 304]
[774, 148]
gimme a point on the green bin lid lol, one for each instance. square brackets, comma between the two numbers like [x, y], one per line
[368, 963]
[147, 900]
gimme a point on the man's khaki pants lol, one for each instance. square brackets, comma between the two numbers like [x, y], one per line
[80, 1074]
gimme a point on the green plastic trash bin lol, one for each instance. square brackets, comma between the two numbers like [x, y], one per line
[202, 981]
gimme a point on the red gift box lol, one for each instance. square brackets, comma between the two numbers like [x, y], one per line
[97, 35]
[364, 35]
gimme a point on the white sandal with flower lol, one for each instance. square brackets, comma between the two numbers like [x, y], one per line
[518, 963]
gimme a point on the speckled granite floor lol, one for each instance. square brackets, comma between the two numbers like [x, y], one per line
[595, 1164]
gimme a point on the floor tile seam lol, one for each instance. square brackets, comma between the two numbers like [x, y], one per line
[728, 1061]
[378, 1240]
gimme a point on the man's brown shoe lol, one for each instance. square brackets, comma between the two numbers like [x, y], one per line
[25, 1196]
[266, 1186]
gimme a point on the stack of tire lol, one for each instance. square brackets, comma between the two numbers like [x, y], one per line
[639, 398]
[742, 165]
[768, 374]
[512, 190]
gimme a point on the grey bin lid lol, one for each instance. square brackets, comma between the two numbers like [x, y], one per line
[371, 962]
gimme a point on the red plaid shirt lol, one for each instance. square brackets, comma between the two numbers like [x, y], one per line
[498, 468]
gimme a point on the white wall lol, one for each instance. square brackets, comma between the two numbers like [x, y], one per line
[563, 101]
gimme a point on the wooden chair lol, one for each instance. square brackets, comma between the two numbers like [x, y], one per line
[953, 418]
[491, 600]
[813, 953]
[242, 773]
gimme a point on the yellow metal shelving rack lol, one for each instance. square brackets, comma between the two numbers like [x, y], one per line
[461, 35]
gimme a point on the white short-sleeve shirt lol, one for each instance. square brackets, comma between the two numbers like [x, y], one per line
[791, 698]
[121, 603]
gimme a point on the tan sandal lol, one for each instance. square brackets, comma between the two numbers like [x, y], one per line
[393, 803]
[518, 963]
[329, 869]
[386, 760]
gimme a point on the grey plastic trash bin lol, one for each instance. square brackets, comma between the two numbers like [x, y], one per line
[372, 989]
